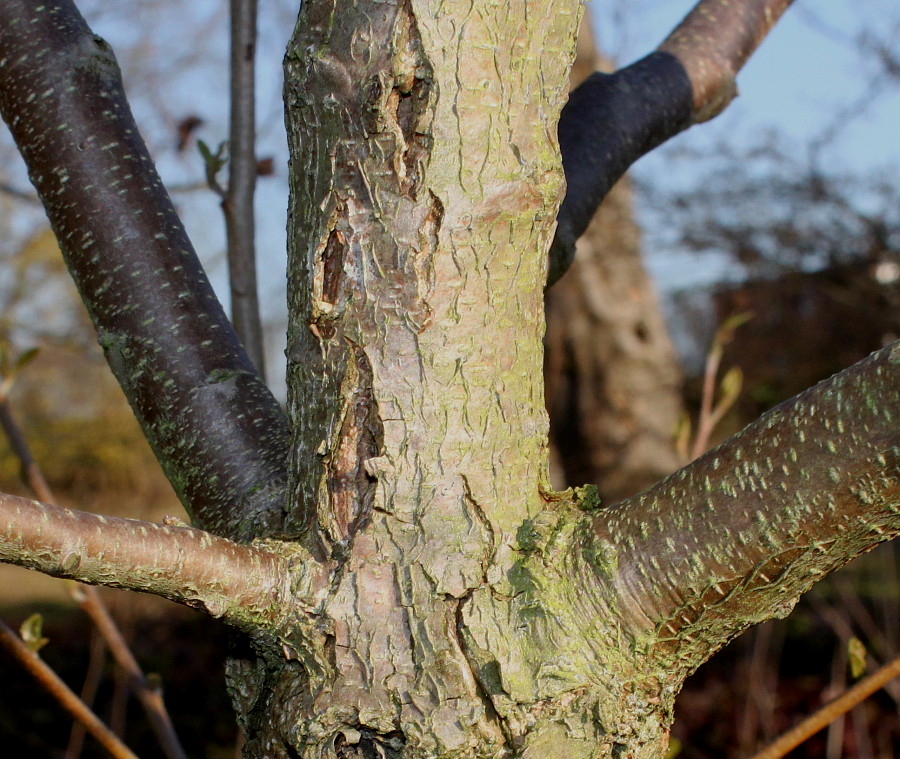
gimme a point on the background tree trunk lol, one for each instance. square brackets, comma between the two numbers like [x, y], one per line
[613, 380]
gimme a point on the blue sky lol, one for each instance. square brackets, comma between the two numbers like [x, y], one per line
[805, 74]
[806, 71]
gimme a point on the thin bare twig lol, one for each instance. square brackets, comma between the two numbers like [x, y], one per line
[89, 600]
[705, 421]
[62, 693]
[824, 716]
[88, 693]
[238, 201]
[149, 695]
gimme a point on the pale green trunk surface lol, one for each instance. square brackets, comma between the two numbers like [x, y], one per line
[425, 179]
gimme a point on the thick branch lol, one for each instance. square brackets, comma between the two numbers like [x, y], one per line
[735, 538]
[611, 120]
[245, 586]
[215, 427]
[238, 201]
[714, 41]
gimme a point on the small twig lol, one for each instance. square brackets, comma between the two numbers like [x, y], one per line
[844, 631]
[237, 204]
[88, 693]
[62, 693]
[712, 413]
[828, 713]
[30, 472]
[149, 696]
[88, 598]
[704, 422]
[834, 740]
[118, 710]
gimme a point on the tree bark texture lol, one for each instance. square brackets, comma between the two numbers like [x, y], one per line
[613, 381]
[425, 181]
[423, 593]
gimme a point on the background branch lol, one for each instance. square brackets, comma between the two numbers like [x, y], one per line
[611, 120]
[238, 201]
[90, 602]
[63, 694]
[217, 430]
[831, 711]
[245, 586]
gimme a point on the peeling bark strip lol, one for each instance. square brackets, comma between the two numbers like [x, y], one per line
[246, 586]
[216, 429]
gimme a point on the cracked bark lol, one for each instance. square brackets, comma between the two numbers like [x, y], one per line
[429, 595]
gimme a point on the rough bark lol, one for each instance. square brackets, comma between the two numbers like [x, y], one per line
[216, 429]
[613, 381]
[429, 595]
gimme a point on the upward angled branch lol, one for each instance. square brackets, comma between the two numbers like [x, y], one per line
[735, 538]
[611, 120]
[215, 427]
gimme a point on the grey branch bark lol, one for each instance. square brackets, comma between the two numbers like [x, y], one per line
[246, 586]
[611, 120]
[736, 537]
[217, 430]
[238, 201]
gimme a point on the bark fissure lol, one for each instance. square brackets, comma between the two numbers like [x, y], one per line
[457, 608]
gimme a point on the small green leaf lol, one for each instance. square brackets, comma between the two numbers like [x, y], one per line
[214, 161]
[730, 388]
[31, 632]
[26, 358]
[674, 748]
[856, 653]
[726, 330]
[204, 150]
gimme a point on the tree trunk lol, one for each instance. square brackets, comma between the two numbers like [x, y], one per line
[424, 593]
[425, 179]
